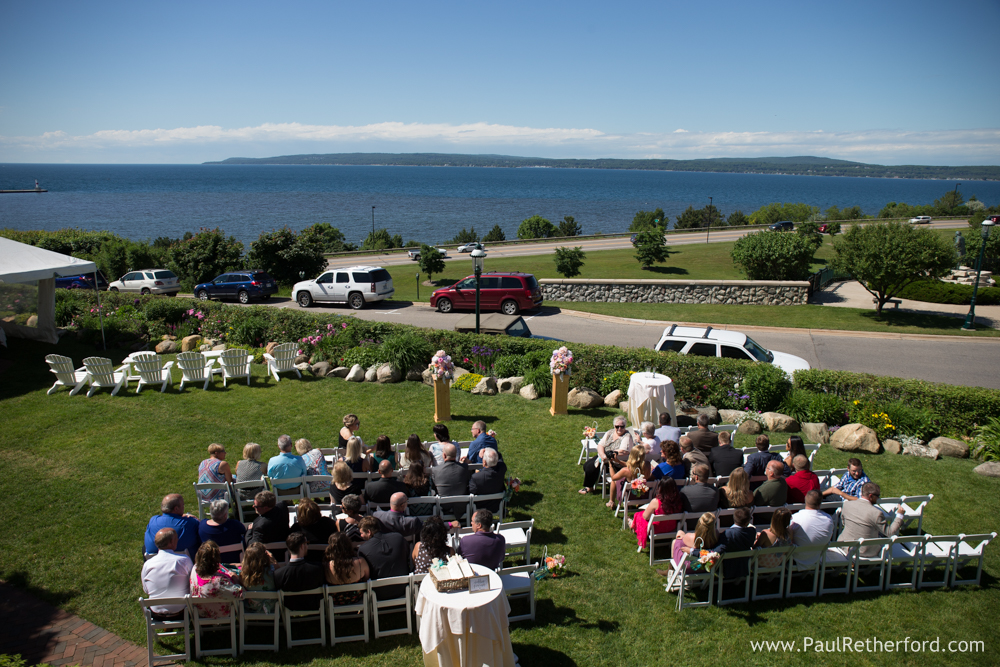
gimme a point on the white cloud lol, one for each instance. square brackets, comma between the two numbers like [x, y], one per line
[680, 131]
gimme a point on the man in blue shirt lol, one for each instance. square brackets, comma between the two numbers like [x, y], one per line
[481, 440]
[756, 463]
[173, 516]
[849, 487]
[285, 465]
[738, 537]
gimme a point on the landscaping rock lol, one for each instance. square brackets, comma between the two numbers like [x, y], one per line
[921, 451]
[371, 375]
[989, 469]
[269, 348]
[623, 406]
[779, 423]
[612, 399]
[892, 446]
[414, 374]
[750, 427]
[356, 374]
[388, 374]
[303, 366]
[210, 342]
[168, 337]
[340, 371]
[511, 385]
[458, 372]
[690, 416]
[950, 447]
[205, 348]
[301, 359]
[486, 387]
[528, 392]
[32, 321]
[427, 377]
[321, 369]
[730, 416]
[817, 433]
[190, 343]
[855, 438]
[166, 347]
[216, 348]
[584, 398]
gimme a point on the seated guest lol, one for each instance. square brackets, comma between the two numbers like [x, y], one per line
[795, 448]
[354, 458]
[666, 431]
[647, 438]
[250, 469]
[635, 466]
[705, 536]
[271, 523]
[211, 579]
[285, 465]
[811, 527]
[380, 490]
[703, 438]
[433, 544]
[441, 437]
[802, 482]
[167, 575]
[214, 470]
[612, 449]
[395, 520]
[756, 463]
[778, 535]
[173, 516]
[299, 575]
[698, 496]
[222, 530]
[317, 528]
[850, 485]
[348, 523]
[736, 492]
[480, 441]
[415, 453]
[344, 482]
[386, 553]
[672, 465]
[738, 537]
[418, 485]
[351, 425]
[341, 567]
[725, 458]
[257, 573]
[451, 478]
[667, 501]
[691, 456]
[489, 480]
[773, 492]
[483, 547]
[315, 464]
[863, 520]
[383, 452]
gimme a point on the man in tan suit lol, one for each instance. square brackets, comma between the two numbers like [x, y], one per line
[702, 438]
[863, 520]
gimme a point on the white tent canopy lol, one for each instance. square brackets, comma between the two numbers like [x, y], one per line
[22, 263]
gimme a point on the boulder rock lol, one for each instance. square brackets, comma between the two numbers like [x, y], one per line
[32, 321]
[612, 399]
[414, 374]
[892, 446]
[356, 374]
[486, 387]
[301, 359]
[458, 372]
[989, 469]
[205, 348]
[387, 374]
[690, 415]
[221, 346]
[168, 337]
[427, 378]
[950, 447]
[340, 371]
[729, 416]
[528, 392]
[210, 341]
[921, 451]
[584, 398]
[779, 423]
[303, 366]
[816, 433]
[855, 438]
[321, 369]
[269, 348]
[511, 385]
[190, 343]
[623, 406]
[371, 375]
[750, 427]
[166, 347]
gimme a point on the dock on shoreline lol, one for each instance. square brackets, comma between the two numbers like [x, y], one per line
[14, 192]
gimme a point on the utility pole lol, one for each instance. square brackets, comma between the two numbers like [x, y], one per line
[709, 230]
[373, 222]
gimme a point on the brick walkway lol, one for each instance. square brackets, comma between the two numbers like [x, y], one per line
[43, 633]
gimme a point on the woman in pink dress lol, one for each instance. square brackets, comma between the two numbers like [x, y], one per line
[667, 501]
[211, 579]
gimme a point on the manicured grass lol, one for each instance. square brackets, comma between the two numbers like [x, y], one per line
[82, 476]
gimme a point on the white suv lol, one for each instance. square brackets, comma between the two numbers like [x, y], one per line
[920, 220]
[355, 285]
[709, 342]
[148, 281]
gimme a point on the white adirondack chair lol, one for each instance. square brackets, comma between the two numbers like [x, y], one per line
[195, 368]
[282, 361]
[235, 364]
[103, 374]
[151, 372]
[66, 375]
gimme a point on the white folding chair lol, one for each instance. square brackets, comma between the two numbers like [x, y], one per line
[588, 444]
[157, 629]
[759, 570]
[807, 559]
[517, 537]
[237, 548]
[938, 552]
[838, 558]
[447, 507]
[747, 579]
[889, 505]
[235, 364]
[903, 552]
[66, 375]
[195, 368]
[348, 612]
[391, 605]
[653, 539]
[485, 498]
[103, 375]
[282, 360]
[872, 563]
[967, 553]
[294, 492]
[244, 506]
[151, 372]
[308, 481]
[681, 580]
[313, 613]
[202, 624]
[201, 489]
[261, 617]
[519, 583]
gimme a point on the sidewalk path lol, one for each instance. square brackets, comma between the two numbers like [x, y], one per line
[40, 633]
[850, 294]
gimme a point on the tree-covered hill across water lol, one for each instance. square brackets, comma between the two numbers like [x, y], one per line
[801, 165]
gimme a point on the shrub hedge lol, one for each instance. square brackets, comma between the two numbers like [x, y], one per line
[936, 291]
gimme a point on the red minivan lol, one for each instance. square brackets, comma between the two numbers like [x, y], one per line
[508, 292]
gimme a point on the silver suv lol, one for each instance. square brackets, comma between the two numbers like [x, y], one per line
[354, 285]
[148, 281]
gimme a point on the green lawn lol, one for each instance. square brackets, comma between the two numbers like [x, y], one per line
[82, 476]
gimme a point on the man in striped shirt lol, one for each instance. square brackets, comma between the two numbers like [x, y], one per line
[849, 487]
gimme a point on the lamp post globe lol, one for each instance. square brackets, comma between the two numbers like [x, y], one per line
[970, 319]
[478, 255]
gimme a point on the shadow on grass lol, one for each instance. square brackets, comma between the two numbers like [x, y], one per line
[668, 270]
[542, 537]
[597, 413]
[531, 654]
[33, 608]
[547, 613]
[922, 320]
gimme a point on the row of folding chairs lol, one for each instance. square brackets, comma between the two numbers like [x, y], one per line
[912, 563]
[588, 446]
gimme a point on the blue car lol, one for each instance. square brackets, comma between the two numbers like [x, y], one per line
[84, 281]
[243, 286]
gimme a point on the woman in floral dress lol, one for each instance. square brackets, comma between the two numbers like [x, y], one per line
[210, 579]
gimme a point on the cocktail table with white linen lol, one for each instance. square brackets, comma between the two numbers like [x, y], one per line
[649, 394]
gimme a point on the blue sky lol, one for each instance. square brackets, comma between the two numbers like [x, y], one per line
[182, 82]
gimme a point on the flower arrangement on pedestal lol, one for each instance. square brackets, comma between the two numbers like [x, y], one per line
[441, 366]
[562, 360]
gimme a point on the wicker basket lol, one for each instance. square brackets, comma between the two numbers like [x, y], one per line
[448, 585]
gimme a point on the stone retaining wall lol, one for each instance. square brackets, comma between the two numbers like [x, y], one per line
[756, 292]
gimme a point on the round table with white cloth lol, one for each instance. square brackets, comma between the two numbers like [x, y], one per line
[461, 629]
[649, 394]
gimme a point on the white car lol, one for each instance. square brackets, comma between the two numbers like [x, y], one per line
[415, 253]
[709, 342]
[354, 285]
[469, 247]
[920, 220]
[147, 281]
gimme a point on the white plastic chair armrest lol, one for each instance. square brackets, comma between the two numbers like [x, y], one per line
[268, 356]
[167, 366]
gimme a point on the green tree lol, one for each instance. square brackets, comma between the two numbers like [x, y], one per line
[809, 231]
[381, 240]
[650, 248]
[431, 261]
[204, 255]
[737, 219]
[852, 213]
[283, 255]
[569, 261]
[569, 227]
[329, 238]
[766, 255]
[645, 221]
[948, 203]
[974, 239]
[535, 227]
[887, 257]
[776, 212]
[465, 236]
[495, 235]
[696, 218]
[833, 228]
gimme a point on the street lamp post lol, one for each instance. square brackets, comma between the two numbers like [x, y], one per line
[970, 319]
[478, 255]
[709, 230]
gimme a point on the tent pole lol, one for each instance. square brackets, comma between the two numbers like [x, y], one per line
[100, 313]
